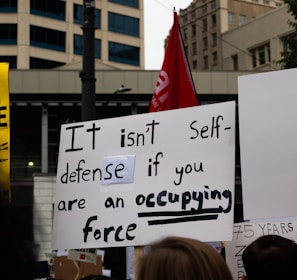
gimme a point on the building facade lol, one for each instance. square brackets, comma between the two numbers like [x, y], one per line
[254, 46]
[47, 34]
[204, 21]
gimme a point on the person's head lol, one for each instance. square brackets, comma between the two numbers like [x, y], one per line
[179, 258]
[270, 257]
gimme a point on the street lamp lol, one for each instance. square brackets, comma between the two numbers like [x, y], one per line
[122, 88]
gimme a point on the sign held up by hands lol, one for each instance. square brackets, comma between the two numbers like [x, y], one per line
[131, 180]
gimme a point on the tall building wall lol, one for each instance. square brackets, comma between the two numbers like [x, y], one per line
[203, 23]
[257, 45]
[124, 29]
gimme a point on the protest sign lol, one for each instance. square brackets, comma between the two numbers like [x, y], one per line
[131, 180]
[268, 137]
[246, 233]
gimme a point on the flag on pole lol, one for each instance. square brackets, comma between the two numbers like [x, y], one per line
[174, 88]
[4, 132]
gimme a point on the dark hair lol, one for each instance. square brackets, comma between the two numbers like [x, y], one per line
[271, 257]
[180, 258]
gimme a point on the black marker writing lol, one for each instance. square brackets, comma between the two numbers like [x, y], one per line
[132, 138]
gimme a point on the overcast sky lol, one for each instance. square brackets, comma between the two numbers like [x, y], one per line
[158, 19]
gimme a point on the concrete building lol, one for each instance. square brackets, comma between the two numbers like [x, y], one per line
[203, 23]
[257, 44]
[48, 34]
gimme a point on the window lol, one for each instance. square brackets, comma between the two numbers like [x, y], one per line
[214, 58]
[123, 53]
[47, 38]
[205, 61]
[8, 34]
[38, 63]
[193, 30]
[214, 39]
[185, 33]
[78, 46]
[235, 62]
[8, 6]
[213, 5]
[78, 16]
[204, 24]
[129, 3]
[194, 48]
[205, 43]
[214, 20]
[204, 9]
[230, 18]
[123, 24]
[254, 58]
[261, 55]
[242, 19]
[194, 64]
[261, 52]
[48, 8]
[12, 60]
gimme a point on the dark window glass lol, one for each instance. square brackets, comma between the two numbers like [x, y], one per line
[204, 24]
[129, 3]
[8, 6]
[8, 34]
[193, 29]
[214, 39]
[235, 62]
[47, 38]
[262, 55]
[38, 63]
[254, 58]
[123, 24]
[78, 46]
[78, 15]
[48, 8]
[25, 141]
[12, 60]
[214, 20]
[205, 60]
[123, 53]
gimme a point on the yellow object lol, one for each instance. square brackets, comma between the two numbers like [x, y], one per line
[4, 132]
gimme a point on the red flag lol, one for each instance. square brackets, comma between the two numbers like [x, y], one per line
[174, 88]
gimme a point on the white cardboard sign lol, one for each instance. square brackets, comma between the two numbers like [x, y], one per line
[246, 233]
[131, 180]
[268, 137]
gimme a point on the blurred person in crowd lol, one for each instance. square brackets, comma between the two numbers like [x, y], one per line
[180, 258]
[17, 258]
[270, 257]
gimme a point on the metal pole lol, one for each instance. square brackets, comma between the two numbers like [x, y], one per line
[88, 109]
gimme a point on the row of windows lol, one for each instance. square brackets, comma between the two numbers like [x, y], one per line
[50, 8]
[206, 60]
[204, 26]
[200, 11]
[8, 6]
[231, 18]
[56, 9]
[53, 7]
[55, 40]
